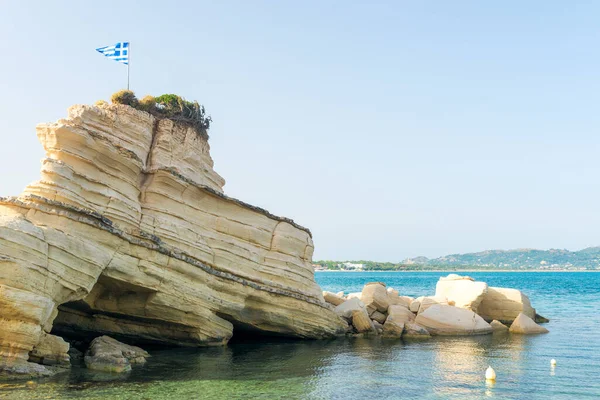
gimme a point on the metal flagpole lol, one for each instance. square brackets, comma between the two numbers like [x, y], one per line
[128, 62]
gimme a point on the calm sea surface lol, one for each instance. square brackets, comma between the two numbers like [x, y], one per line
[440, 368]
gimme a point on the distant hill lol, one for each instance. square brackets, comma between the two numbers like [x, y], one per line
[588, 258]
[518, 259]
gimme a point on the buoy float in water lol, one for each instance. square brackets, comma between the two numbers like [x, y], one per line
[553, 362]
[490, 374]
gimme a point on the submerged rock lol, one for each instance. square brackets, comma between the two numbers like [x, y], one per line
[21, 369]
[109, 355]
[413, 330]
[540, 320]
[525, 325]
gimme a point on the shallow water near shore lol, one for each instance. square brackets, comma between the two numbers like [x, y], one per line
[439, 368]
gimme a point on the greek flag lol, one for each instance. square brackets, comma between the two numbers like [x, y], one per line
[119, 52]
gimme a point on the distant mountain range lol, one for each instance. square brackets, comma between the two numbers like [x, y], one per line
[588, 258]
[518, 259]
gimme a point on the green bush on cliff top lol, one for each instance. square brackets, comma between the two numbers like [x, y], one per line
[169, 106]
[126, 97]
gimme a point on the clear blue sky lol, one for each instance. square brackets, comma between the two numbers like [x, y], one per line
[392, 130]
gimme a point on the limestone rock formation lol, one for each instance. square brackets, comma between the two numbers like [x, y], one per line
[449, 320]
[504, 305]
[109, 355]
[462, 290]
[128, 233]
[525, 325]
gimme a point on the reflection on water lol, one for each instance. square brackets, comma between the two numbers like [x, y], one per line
[440, 368]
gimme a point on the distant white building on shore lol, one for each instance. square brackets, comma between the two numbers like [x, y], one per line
[351, 266]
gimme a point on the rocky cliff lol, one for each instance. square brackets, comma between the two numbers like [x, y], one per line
[128, 233]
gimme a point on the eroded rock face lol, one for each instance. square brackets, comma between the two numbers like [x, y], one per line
[128, 233]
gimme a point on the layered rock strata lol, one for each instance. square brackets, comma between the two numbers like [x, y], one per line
[128, 233]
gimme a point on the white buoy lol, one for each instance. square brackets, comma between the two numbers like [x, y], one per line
[490, 374]
[553, 362]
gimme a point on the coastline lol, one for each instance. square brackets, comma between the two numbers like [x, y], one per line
[463, 270]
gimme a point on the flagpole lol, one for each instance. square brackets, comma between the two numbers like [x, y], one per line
[128, 62]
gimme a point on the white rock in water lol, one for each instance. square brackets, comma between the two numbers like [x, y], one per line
[448, 320]
[525, 325]
[463, 291]
[490, 374]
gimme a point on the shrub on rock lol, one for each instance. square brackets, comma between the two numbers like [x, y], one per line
[126, 97]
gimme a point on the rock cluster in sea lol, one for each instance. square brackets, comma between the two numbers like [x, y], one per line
[460, 306]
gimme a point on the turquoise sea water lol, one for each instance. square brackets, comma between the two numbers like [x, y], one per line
[439, 368]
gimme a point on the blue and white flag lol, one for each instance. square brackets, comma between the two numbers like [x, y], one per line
[119, 52]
